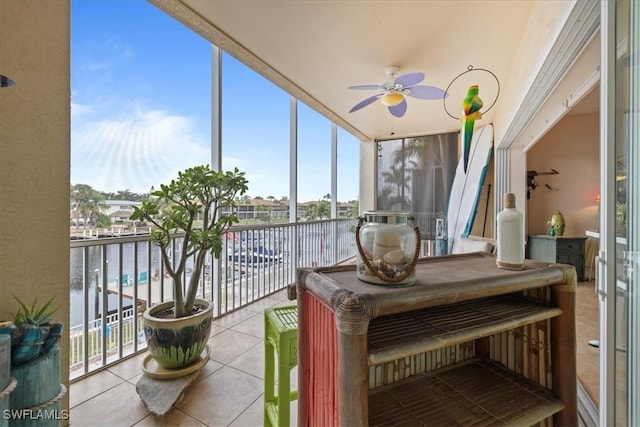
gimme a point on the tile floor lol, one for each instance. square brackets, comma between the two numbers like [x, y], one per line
[588, 328]
[229, 391]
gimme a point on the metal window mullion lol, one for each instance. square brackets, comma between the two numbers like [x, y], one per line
[160, 274]
[216, 161]
[633, 220]
[606, 280]
[85, 312]
[334, 170]
[336, 241]
[269, 264]
[293, 179]
[135, 294]
[105, 304]
[120, 290]
[162, 269]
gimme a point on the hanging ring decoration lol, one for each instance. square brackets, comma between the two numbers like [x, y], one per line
[470, 69]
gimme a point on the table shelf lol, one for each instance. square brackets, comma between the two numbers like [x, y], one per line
[399, 335]
[479, 392]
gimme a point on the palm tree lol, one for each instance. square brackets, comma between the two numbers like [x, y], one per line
[81, 200]
[355, 208]
[397, 183]
[96, 205]
[126, 195]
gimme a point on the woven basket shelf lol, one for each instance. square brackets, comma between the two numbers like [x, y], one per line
[478, 393]
[399, 335]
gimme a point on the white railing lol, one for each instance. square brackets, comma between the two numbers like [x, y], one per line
[256, 261]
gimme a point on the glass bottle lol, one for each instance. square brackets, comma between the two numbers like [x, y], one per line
[510, 239]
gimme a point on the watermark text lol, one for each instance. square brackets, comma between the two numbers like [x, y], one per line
[35, 414]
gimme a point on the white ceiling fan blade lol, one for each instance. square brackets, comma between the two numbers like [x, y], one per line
[364, 103]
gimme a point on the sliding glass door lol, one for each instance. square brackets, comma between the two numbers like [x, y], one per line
[619, 260]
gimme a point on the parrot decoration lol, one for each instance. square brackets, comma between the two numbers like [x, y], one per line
[471, 106]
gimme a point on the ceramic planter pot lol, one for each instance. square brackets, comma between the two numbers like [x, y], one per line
[7, 327]
[29, 342]
[30, 346]
[55, 331]
[176, 343]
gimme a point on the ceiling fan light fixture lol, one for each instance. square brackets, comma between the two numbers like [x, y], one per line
[392, 99]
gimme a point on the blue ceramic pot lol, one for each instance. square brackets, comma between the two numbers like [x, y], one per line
[8, 328]
[30, 347]
[55, 330]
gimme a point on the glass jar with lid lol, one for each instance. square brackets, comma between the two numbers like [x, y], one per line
[388, 248]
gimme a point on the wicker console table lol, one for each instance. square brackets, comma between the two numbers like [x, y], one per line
[467, 344]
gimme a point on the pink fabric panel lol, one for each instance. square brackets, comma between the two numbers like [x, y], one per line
[322, 376]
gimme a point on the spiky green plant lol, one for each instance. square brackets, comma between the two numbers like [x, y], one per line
[34, 315]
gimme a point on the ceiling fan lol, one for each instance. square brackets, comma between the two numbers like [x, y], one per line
[392, 91]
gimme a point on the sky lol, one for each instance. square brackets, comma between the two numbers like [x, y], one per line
[141, 110]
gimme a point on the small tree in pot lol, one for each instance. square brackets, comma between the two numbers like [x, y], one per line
[200, 203]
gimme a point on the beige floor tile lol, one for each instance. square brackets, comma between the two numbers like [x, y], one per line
[252, 326]
[251, 361]
[230, 344]
[119, 406]
[216, 330]
[130, 368]
[89, 387]
[222, 397]
[267, 302]
[253, 416]
[208, 369]
[134, 380]
[588, 328]
[174, 418]
[234, 318]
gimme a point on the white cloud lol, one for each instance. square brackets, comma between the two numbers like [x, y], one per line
[132, 149]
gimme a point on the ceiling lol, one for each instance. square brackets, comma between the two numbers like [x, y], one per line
[317, 49]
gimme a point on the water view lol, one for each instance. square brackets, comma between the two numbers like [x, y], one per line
[94, 270]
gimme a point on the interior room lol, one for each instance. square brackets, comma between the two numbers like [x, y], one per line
[571, 148]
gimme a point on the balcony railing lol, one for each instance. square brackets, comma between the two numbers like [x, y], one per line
[114, 279]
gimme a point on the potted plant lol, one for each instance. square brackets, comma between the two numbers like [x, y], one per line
[33, 331]
[199, 206]
[35, 357]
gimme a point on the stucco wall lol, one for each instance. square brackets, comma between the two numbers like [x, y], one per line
[572, 148]
[34, 157]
